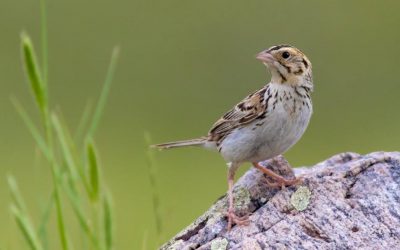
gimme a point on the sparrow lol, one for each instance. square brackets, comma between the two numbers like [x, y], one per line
[266, 123]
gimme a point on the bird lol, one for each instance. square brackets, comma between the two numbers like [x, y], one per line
[265, 124]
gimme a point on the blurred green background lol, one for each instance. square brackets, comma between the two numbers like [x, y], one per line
[182, 65]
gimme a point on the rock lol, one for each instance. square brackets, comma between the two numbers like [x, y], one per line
[349, 201]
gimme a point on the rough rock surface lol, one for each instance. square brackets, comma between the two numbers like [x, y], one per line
[349, 201]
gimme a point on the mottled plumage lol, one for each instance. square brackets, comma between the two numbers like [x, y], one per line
[267, 122]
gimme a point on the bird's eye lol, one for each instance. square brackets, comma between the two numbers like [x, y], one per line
[285, 55]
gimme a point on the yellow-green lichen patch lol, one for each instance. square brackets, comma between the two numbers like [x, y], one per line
[242, 198]
[301, 198]
[219, 244]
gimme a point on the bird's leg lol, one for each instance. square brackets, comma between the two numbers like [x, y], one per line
[280, 180]
[232, 217]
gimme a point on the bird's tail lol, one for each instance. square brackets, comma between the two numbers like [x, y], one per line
[178, 144]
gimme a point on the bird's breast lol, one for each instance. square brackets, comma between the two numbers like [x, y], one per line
[286, 119]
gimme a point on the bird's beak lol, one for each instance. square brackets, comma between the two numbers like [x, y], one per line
[265, 57]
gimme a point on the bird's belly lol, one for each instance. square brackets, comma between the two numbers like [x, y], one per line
[267, 138]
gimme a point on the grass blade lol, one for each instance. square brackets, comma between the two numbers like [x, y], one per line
[16, 194]
[79, 167]
[154, 187]
[26, 229]
[66, 150]
[93, 170]
[18, 210]
[83, 122]
[33, 72]
[83, 222]
[43, 29]
[40, 93]
[60, 219]
[42, 232]
[108, 222]
[104, 93]
[32, 128]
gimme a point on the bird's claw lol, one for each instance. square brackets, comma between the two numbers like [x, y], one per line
[237, 220]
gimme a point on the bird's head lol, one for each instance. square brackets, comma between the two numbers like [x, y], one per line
[287, 65]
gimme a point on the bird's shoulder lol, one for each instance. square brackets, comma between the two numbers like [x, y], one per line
[250, 108]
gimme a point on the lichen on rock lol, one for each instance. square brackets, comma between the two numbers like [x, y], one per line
[219, 244]
[242, 198]
[301, 198]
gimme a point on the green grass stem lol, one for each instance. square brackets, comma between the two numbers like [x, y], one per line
[60, 149]
[93, 170]
[65, 148]
[108, 222]
[152, 173]
[19, 211]
[83, 222]
[40, 141]
[42, 231]
[26, 229]
[44, 39]
[16, 194]
[83, 122]
[104, 93]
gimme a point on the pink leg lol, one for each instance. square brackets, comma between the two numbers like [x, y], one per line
[280, 181]
[232, 217]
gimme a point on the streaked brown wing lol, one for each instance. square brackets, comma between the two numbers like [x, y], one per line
[246, 111]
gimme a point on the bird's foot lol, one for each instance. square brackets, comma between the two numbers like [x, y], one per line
[233, 219]
[279, 181]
